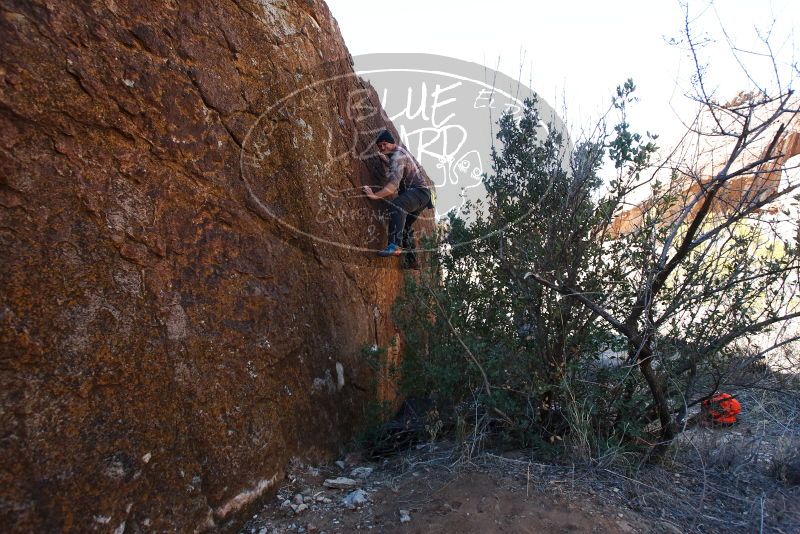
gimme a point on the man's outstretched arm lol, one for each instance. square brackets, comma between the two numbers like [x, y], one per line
[387, 191]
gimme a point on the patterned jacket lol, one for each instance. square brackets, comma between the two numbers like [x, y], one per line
[403, 169]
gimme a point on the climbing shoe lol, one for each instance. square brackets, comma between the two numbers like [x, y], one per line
[391, 250]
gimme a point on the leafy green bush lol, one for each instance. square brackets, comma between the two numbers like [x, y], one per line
[513, 327]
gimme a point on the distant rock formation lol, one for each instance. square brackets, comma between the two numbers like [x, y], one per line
[708, 157]
[181, 309]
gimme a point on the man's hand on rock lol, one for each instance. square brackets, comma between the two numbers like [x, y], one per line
[369, 193]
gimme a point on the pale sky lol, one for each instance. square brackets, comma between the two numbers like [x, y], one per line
[578, 51]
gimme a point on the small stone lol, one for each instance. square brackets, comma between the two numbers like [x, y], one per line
[320, 498]
[286, 504]
[311, 527]
[340, 483]
[405, 517]
[298, 499]
[326, 500]
[301, 508]
[361, 472]
[146, 457]
[341, 464]
[262, 530]
[355, 499]
[339, 377]
[625, 528]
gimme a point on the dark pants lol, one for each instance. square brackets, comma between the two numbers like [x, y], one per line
[403, 212]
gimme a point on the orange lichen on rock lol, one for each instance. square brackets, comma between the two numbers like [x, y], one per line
[161, 335]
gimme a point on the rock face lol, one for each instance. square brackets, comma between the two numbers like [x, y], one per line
[186, 285]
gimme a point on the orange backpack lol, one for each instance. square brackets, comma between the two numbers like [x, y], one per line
[723, 408]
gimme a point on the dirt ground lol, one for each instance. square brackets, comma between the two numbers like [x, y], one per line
[482, 502]
[716, 480]
[469, 499]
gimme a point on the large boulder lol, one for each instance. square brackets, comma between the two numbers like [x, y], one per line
[187, 285]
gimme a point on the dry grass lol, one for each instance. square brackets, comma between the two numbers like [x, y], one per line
[713, 480]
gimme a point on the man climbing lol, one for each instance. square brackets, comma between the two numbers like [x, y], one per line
[404, 177]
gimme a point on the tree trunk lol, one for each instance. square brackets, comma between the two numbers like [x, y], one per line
[644, 357]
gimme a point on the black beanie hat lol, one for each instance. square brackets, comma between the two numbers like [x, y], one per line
[385, 136]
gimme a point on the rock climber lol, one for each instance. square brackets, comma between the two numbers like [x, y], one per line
[405, 179]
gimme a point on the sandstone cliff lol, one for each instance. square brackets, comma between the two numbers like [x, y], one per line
[182, 309]
[698, 159]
